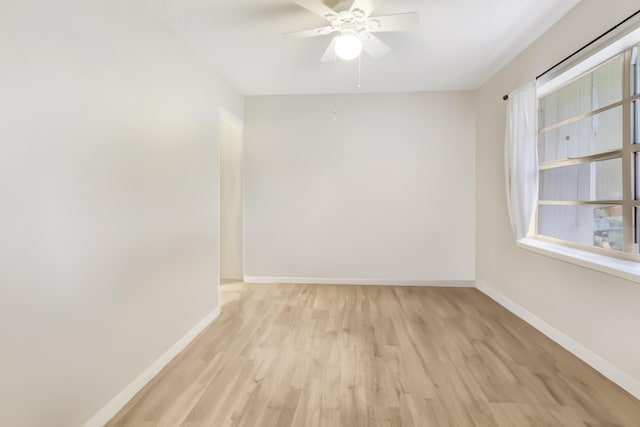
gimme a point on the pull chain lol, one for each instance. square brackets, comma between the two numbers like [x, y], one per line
[359, 71]
[335, 82]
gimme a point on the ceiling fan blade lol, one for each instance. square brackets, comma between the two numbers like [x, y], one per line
[321, 31]
[367, 6]
[399, 22]
[374, 47]
[317, 7]
[330, 53]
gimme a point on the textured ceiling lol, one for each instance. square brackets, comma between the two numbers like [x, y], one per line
[459, 43]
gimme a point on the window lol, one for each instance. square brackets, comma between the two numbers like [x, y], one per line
[589, 158]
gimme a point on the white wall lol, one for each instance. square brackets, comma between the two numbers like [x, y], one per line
[599, 311]
[109, 201]
[385, 192]
[230, 198]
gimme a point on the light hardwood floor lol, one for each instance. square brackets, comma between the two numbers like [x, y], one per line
[323, 355]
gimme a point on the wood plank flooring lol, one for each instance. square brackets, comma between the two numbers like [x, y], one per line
[323, 355]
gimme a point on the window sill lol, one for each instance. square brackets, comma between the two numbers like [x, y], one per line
[629, 270]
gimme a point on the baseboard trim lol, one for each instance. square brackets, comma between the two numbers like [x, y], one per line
[376, 282]
[621, 378]
[117, 403]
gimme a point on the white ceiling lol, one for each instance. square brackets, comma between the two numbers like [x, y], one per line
[459, 44]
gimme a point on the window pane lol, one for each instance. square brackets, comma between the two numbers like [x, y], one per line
[635, 129]
[635, 90]
[597, 89]
[637, 175]
[586, 181]
[636, 211]
[597, 225]
[635, 71]
[596, 134]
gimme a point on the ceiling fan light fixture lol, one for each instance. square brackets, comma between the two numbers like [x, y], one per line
[353, 24]
[348, 46]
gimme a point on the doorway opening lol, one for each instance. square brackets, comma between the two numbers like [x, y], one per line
[231, 211]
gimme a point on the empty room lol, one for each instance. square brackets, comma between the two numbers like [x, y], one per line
[329, 213]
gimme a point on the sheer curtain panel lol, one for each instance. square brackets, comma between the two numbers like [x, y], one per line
[521, 160]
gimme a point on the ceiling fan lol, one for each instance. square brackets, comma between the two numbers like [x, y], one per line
[354, 25]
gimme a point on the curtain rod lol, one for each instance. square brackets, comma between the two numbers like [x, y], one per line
[609, 31]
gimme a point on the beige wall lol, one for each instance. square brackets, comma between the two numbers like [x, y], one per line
[109, 201]
[599, 311]
[230, 198]
[385, 192]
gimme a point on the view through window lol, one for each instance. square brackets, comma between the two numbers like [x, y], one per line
[589, 160]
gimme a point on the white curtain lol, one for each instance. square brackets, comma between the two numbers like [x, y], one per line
[520, 155]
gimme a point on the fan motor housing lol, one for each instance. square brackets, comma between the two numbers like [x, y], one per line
[354, 20]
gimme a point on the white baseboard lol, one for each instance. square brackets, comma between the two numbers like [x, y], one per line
[117, 403]
[340, 281]
[621, 378]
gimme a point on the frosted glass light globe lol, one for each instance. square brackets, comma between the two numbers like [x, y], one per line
[348, 46]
